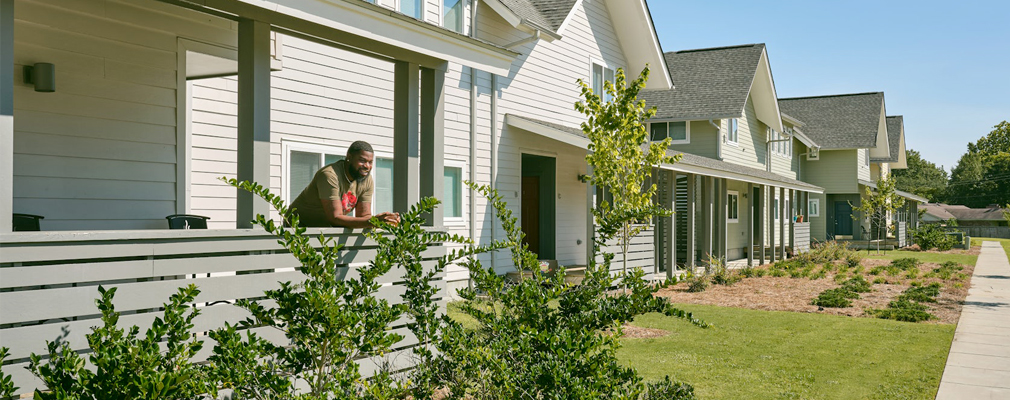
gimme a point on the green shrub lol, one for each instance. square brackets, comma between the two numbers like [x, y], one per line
[922, 294]
[818, 275]
[906, 263]
[857, 285]
[761, 272]
[853, 260]
[828, 251]
[748, 272]
[697, 283]
[879, 280]
[835, 298]
[7, 388]
[948, 270]
[668, 390]
[912, 273]
[839, 278]
[877, 270]
[915, 283]
[903, 310]
[931, 236]
[126, 364]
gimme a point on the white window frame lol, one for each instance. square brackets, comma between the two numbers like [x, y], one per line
[814, 207]
[441, 15]
[594, 62]
[866, 158]
[737, 194]
[463, 176]
[813, 154]
[687, 136]
[395, 6]
[287, 146]
[775, 208]
[733, 136]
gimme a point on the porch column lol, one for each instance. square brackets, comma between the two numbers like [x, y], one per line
[6, 115]
[782, 223]
[760, 216]
[433, 141]
[691, 228]
[673, 227]
[406, 154]
[793, 203]
[723, 219]
[771, 223]
[590, 223]
[707, 193]
[750, 224]
[253, 117]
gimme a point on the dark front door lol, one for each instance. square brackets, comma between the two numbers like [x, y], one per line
[843, 218]
[531, 212]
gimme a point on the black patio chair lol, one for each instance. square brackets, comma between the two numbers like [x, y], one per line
[26, 222]
[187, 221]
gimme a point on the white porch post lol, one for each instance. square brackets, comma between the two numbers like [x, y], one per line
[760, 216]
[590, 222]
[782, 223]
[724, 219]
[691, 224]
[433, 141]
[253, 117]
[707, 211]
[750, 225]
[406, 155]
[771, 223]
[6, 115]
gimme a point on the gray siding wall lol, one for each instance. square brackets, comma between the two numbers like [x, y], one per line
[835, 171]
[100, 152]
[704, 140]
[863, 168]
[751, 148]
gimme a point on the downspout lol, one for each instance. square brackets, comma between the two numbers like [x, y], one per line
[473, 135]
[718, 142]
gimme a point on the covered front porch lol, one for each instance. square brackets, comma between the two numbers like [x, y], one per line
[155, 100]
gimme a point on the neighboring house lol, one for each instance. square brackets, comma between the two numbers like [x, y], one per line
[740, 159]
[850, 129]
[963, 215]
[141, 123]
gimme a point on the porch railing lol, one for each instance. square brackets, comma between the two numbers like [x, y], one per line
[801, 237]
[641, 252]
[49, 281]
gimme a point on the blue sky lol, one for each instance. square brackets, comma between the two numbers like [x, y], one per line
[945, 66]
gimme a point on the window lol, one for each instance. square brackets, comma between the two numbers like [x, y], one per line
[789, 211]
[452, 194]
[678, 132]
[866, 158]
[781, 143]
[814, 207]
[776, 206]
[733, 201]
[452, 14]
[411, 8]
[601, 74]
[814, 154]
[733, 131]
[303, 160]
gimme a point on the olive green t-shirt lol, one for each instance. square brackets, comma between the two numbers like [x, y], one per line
[331, 183]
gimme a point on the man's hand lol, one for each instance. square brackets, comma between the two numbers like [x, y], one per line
[389, 218]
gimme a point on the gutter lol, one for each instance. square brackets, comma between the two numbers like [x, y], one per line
[534, 37]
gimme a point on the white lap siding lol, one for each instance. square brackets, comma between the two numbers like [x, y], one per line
[100, 152]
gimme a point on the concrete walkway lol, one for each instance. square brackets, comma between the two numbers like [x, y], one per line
[978, 366]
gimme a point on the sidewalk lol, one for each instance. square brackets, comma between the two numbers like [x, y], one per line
[978, 366]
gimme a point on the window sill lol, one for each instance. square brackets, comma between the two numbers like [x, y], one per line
[454, 222]
[733, 221]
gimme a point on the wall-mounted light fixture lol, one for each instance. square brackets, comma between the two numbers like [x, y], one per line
[42, 75]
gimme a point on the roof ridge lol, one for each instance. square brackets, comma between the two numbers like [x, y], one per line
[829, 95]
[738, 46]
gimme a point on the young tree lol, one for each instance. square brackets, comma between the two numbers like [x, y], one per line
[622, 158]
[878, 205]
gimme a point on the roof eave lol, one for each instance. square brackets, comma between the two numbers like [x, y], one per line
[639, 42]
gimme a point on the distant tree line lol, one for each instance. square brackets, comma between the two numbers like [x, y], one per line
[980, 178]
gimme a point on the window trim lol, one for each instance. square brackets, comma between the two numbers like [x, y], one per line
[461, 220]
[735, 141]
[737, 219]
[287, 146]
[594, 62]
[812, 206]
[687, 129]
[813, 154]
[441, 15]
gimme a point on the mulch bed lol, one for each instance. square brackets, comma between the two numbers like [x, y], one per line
[795, 294]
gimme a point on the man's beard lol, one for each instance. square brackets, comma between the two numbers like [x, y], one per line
[356, 174]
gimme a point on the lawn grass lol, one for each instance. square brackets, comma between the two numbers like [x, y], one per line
[923, 256]
[751, 354]
[1004, 242]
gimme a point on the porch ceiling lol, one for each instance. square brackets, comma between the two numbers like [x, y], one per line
[366, 28]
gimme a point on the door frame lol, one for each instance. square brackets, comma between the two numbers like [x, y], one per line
[545, 167]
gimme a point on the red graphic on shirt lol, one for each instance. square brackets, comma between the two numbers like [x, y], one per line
[349, 201]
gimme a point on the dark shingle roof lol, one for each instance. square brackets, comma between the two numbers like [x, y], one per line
[545, 14]
[691, 159]
[843, 121]
[710, 83]
[894, 126]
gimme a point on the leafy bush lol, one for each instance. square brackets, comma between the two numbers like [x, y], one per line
[7, 388]
[947, 270]
[541, 337]
[906, 263]
[922, 294]
[835, 298]
[853, 260]
[829, 251]
[878, 280]
[127, 365]
[668, 390]
[715, 267]
[903, 310]
[931, 236]
[697, 283]
[749, 272]
[857, 285]
[912, 273]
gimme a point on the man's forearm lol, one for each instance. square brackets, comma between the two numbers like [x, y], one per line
[347, 221]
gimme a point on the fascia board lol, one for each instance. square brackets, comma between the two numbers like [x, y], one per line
[694, 169]
[639, 42]
[546, 131]
[769, 109]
